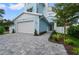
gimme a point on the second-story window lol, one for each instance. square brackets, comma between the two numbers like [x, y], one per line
[30, 9]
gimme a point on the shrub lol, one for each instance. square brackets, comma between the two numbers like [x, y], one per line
[75, 51]
[74, 31]
[57, 37]
[52, 36]
[68, 41]
[1, 29]
[54, 32]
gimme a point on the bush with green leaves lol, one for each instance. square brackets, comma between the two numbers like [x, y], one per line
[75, 51]
[68, 41]
[54, 32]
[52, 36]
[57, 37]
[74, 31]
[1, 29]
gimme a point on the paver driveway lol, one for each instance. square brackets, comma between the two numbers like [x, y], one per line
[19, 44]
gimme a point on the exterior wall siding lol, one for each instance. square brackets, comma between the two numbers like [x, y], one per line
[40, 8]
[43, 27]
[36, 24]
[39, 25]
[31, 5]
[27, 18]
[37, 7]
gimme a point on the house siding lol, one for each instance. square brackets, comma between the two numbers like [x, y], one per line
[36, 24]
[26, 18]
[40, 25]
[43, 27]
[31, 5]
[42, 8]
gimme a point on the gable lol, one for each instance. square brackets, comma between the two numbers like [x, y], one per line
[26, 16]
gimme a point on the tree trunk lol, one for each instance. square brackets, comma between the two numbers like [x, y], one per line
[64, 30]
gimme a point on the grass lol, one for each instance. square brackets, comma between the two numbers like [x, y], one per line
[74, 40]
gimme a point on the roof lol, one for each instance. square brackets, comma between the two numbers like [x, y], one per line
[18, 16]
[44, 18]
[32, 13]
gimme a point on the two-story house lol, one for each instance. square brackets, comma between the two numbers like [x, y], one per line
[36, 18]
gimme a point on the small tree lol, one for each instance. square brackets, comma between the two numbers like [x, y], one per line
[66, 13]
[1, 13]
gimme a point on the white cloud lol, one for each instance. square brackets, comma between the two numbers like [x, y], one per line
[2, 6]
[16, 6]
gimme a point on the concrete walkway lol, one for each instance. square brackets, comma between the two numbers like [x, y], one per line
[27, 44]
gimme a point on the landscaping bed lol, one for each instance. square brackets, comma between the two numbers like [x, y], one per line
[70, 43]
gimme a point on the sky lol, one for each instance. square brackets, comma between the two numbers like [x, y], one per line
[12, 10]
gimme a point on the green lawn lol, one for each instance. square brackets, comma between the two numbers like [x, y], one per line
[74, 40]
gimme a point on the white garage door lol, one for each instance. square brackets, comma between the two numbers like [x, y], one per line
[26, 27]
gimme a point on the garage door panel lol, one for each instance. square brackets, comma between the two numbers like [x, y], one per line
[26, 27]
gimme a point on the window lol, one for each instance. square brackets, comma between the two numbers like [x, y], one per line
[30, 9]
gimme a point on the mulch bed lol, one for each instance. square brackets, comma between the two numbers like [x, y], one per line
[69, 49]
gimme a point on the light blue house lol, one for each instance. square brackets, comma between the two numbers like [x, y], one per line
[35, 19]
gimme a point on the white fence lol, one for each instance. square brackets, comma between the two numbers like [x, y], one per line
[11, 28]
[59, 29]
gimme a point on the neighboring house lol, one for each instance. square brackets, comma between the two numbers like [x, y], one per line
[35, 18]
[1, 18]
[76, 22]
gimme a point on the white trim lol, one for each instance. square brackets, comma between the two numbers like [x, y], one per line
[33, 13]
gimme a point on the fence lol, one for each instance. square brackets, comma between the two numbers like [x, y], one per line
[59, 29]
